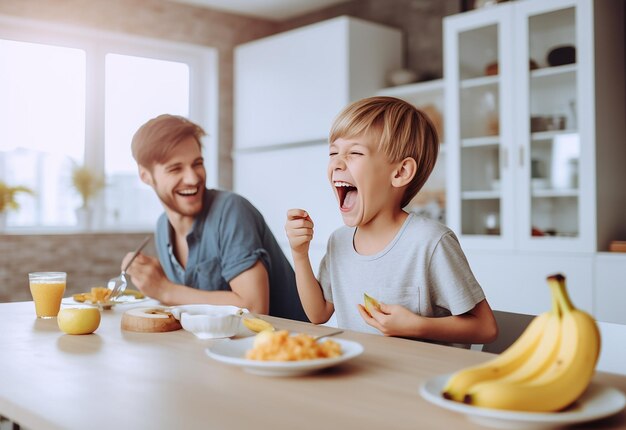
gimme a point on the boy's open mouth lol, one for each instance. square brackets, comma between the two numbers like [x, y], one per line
[347, 194]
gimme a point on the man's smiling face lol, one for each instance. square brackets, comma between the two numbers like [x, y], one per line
[361, 178]
[179, 182]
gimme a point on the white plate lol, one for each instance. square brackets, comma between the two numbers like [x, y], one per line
[121, 300]
[233, 351]
[598, 401]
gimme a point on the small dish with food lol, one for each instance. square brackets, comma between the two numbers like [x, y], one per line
[100, 297]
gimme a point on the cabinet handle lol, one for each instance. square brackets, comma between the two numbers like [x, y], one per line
[505, 158]
[521, 156]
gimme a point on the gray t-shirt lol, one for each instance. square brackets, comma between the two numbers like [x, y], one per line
[423, 269]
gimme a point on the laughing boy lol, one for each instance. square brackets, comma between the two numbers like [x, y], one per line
[382, 151]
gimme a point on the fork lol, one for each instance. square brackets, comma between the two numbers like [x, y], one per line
[118, 284]
[332, 333]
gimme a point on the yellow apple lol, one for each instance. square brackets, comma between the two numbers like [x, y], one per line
[78, 320]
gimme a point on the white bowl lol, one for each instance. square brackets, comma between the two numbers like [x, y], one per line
[209, 321]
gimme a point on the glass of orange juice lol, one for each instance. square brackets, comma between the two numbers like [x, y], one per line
[47, 289]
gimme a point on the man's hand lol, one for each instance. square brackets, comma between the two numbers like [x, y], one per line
[391, 320]
[147, 275]
[299, 229]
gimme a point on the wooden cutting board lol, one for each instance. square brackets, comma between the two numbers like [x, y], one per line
[153, 319]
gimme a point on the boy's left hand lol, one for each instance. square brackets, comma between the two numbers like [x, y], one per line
[391, 320]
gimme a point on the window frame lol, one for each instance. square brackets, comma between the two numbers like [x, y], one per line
[203, 92]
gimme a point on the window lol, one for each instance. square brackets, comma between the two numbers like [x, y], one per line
[74, 97]
[42, 126]
[136, 89]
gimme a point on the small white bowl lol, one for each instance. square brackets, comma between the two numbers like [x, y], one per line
[209, 321]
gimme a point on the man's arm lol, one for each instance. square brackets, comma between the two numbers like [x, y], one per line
[477, 326]
[250, 289]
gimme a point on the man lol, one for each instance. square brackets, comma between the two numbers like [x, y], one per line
[213, 246]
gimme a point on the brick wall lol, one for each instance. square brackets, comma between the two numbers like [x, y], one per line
[89, 259]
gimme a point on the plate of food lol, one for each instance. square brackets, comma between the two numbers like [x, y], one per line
[282, 353]
[598, 401]
[99, 297]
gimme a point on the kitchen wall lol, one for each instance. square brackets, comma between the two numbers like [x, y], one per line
[90, 259]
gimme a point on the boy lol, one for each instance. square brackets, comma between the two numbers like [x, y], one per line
[382, 150]
[213, 246]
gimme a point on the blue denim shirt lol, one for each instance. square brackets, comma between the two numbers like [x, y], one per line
[227, 238]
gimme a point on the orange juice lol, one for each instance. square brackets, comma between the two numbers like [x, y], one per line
[47, 290]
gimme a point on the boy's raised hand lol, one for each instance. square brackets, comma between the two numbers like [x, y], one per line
[299, 229]
[391, 320]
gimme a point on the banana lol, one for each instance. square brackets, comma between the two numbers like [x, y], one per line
[257, 325]
[509, 360]
[546, 349]
[566, 375]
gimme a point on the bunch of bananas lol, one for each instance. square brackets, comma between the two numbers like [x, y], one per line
[545, 370]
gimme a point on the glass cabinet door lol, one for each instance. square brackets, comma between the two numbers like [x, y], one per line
[475, 75]
[550, 152]
[479, 94]
[534, 124]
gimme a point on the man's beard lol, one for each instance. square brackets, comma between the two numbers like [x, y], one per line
[169, 202]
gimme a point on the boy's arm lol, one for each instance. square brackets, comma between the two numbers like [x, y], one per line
[299, 229]
[476, 326]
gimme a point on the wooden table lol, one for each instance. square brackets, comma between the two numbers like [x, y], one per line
[115, 379]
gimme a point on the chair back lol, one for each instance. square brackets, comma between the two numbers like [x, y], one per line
[510, 326]
[613, 348]
[612, 353]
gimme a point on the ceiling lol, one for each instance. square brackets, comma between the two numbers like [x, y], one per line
[275, 10]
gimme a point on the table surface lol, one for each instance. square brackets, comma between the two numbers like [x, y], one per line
[119, 379]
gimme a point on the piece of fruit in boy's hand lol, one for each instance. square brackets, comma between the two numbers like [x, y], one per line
[370, 303]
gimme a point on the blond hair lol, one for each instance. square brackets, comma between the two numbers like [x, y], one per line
[401, 129]
[153, 141]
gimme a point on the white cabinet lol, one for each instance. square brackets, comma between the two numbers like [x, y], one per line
[288, 89]
[290, 86]
[429, 97]
[516, 281]
[278, 180]
[535, 125]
